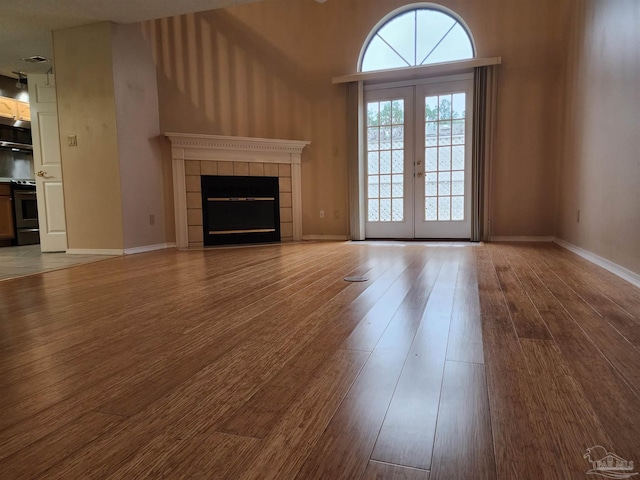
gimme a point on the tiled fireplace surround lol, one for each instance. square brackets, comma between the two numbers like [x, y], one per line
[196, 155]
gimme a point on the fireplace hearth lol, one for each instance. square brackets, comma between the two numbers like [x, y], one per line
[240, 209]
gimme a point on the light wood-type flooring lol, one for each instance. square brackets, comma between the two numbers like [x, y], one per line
[450, 363]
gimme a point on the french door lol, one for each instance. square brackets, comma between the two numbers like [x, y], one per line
[418, 161]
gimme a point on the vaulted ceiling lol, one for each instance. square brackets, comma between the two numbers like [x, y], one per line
[26, 26]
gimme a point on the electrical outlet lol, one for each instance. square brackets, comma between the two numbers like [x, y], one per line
[152, 219]
[321, 213]
[72, 140]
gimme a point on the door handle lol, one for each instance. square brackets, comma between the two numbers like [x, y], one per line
[419, 174]
[40, 173]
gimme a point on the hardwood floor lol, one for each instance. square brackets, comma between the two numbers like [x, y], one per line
[497, 361]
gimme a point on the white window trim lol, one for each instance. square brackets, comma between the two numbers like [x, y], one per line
[420, 81]
[424, 71]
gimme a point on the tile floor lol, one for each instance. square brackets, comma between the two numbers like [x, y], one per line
[28, 259]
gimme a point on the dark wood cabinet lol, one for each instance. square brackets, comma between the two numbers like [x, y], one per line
[7, 231]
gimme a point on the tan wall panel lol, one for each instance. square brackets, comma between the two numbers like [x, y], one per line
[86, 108]
[600, 170]
[136, 98]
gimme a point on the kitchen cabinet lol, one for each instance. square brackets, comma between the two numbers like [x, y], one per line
[8, 108]
[15, 109]
[7, 231]
[24, 111]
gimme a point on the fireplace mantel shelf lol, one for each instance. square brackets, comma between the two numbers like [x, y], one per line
[219, 148]
[225, 143]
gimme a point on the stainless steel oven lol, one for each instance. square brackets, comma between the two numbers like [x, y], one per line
[25, 212]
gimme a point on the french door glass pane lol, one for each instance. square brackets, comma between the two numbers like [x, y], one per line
[444, 157]
[385, 160]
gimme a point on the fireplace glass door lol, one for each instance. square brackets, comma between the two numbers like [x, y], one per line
[240, 210]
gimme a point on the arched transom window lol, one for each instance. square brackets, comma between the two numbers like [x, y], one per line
[418, 36]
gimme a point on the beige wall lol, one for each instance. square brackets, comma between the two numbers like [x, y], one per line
[107, 97]
[136, 99]
[86, 108]
[265, 70]
[600, 170]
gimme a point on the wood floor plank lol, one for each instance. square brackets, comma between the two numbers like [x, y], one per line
[618, 290]
[344, 448]
[291, 441]
[258, 301]
[407, 434]
[464, 442]
[591, 292]
[349, 312]
[614, 346]
[587, 363]
[518, 422]
[385, 471]
[576, 423]
[524, 315]
[367, 334]
[84, 354]
[211, 455]
[50, 450]
[402, 266]
[135, 396]
[30, 427]
[133, 306]
[492, 302]
[263, 410]
[465, 333]
[107, 375]
[30, 379]
[419, 294]
[189, 411]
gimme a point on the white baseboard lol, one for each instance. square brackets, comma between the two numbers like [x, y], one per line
[326, 238]
[614, 268]
[148, 248]
[95, 251]
[521, 239]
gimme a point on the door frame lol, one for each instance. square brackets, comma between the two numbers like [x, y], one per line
[359, 217]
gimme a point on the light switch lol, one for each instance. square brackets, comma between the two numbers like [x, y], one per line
[72, 140]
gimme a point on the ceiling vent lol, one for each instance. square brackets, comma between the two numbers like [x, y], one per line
[36, 59]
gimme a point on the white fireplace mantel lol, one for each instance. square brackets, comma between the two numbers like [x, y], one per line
[186, 146]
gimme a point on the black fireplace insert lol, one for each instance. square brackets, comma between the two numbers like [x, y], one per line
[240, 210]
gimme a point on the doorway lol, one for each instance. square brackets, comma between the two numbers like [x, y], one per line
[417, 142]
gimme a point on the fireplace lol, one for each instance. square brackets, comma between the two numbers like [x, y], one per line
[194, 156]
[240, 210]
